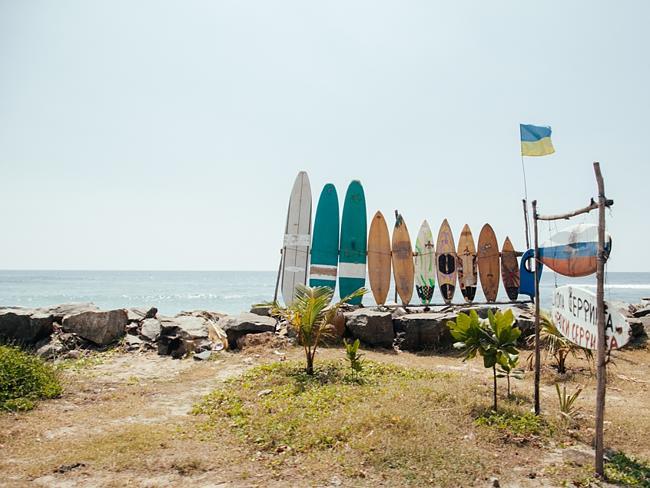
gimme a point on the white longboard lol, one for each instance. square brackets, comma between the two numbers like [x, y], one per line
[297, 238]
[425, 264]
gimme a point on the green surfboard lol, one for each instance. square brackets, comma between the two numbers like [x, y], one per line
[354, 243]
[325, 241]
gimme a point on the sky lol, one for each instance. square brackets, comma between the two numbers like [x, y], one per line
[167, 134]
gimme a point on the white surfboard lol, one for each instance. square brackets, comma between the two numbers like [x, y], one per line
[425, 264]
[297, 238]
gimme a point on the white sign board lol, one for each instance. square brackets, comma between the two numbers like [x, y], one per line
[574, 314]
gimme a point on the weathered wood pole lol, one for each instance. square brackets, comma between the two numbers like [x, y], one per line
[525, 204]
[601, 371]
[538, 366]
[277, 280]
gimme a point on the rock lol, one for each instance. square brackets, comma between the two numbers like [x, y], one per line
[61, 311]
[182, 334]
[74, 354]
[373, 327]
[339, 324]
[150, 329]
[203, 355]
[204, 314]
[138, 314]
[267, 340]
[51, 349]
[263, 310]
[246, 323]
[494, 482]
[24, 325]
[642, 311]
[133, 342]
[265, 392]
[102, 328]
[424, 330]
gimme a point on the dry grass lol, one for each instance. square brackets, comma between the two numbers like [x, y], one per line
[124, 421]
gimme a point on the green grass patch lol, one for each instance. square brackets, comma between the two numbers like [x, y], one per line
[24, 379]
[279, 406]
[520, 426]
[627, 471]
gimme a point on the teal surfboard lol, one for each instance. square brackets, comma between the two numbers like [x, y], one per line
[354, 244]
[325, 241]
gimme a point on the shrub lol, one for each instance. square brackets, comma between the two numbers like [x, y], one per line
[25, 378]
[495, 340]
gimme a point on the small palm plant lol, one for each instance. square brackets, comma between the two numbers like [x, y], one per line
[568, 411]
[311, 315]
[495, 340]
[353, 355]
[556, 345]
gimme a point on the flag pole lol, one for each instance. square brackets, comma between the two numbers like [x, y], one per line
[523, 170]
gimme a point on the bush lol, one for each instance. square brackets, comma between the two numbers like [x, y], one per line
[25, 378]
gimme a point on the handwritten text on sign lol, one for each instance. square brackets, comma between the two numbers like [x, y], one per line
[574, 314]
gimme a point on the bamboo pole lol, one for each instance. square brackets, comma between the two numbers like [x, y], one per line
[525, 204]
[538, 365]
[601, 372]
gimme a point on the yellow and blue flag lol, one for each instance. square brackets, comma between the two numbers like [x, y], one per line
[535, 140]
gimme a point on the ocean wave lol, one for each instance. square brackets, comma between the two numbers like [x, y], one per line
[639, 286]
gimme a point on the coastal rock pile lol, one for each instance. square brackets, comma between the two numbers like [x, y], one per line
[65, 330]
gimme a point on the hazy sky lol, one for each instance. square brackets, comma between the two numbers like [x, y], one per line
[167, 134]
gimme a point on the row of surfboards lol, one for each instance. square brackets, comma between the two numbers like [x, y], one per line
[348, 251]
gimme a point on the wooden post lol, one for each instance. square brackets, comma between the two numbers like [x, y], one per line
[538, 366]
[277, 280]
[601, 371]
[525, 203]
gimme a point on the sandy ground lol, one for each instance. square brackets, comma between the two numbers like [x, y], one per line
[126, 421]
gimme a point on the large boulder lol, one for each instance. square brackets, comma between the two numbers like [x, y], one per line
[183, 334]
[102, 328]
[373, 327]
[236, 326]
[61, 311]
[420, 331]
[137, 314]
[642, 311]
[24, 325]
[150, 329]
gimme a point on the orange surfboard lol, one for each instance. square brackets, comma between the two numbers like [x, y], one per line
[379, 258]
[403, 267]
[467, 271]
[488, 262]
[510, 269]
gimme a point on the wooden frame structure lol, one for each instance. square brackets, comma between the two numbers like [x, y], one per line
[601, 368]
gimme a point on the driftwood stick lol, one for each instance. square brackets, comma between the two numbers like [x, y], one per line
[601, 371]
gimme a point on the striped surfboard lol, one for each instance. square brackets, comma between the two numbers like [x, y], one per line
[353, 246]
[325, 241]
[297, 238]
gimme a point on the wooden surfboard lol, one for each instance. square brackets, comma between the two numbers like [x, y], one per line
[403, 269]
[466, 264]
[425, 264]
[325, 241]
[297, 238]
[379, 258]
[510, 269]
[488, 262]
[446, 262]
[353, 246]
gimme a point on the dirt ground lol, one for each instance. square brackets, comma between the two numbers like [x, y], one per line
[125, 420]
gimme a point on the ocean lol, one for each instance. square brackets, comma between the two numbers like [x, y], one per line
[226, 291]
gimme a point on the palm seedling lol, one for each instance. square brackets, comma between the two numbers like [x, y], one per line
[311, 315]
